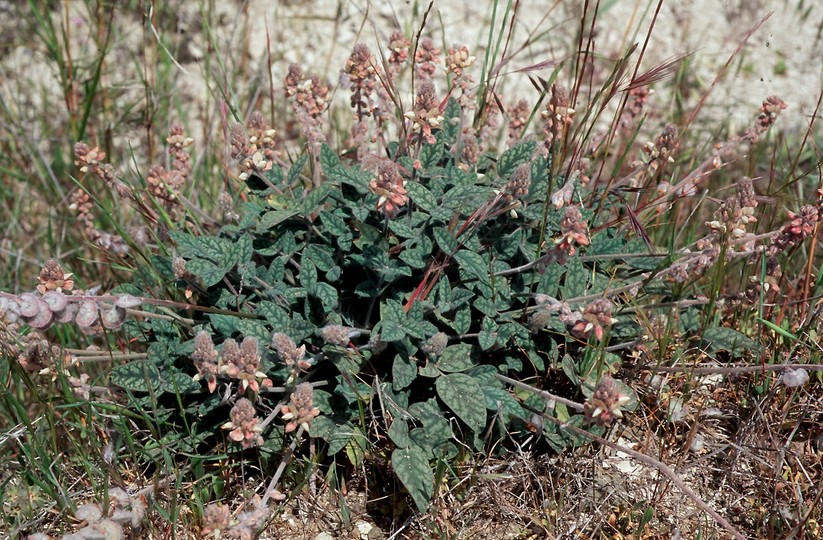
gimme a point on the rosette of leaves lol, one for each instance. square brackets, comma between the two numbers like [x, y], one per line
[302, 258]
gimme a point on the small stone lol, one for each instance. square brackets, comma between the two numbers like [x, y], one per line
[88, 512]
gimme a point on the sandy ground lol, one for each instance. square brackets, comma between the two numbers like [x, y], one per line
[783, 57]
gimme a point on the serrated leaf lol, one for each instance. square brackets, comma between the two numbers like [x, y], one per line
[209, 272]
[720, 338]
[137, 376]
[513, 157]
[404, 372]
[412, 469]
[463, 395]
[456, 358]
[422, 197]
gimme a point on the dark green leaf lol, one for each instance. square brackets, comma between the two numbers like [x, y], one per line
[456, 358]
[576, 279]
[237, 252]
[726, 339]
[137, 376]
[277, 316]
[328, 159]
[401, 229]
[462, 320]
[327, 295]
[513, 157]
[463, 396]
[474, 264]
[430, 154]
[209, 272]
[412, 468]
[445, 240]
[315, 198]
[487, 338]
[392, 310]
[399, 433]
[273, 218]
[498, 398]
[334, 224]
[297, 166]
[422, 197]
[340, 437]
[391, 331]
[404, 372]
[308, 273]
[451, 121]
[357, 446]
[180, 383]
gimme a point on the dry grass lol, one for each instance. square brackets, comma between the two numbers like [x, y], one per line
[748, 445]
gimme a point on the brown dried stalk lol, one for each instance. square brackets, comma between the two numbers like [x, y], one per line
[664, 469]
